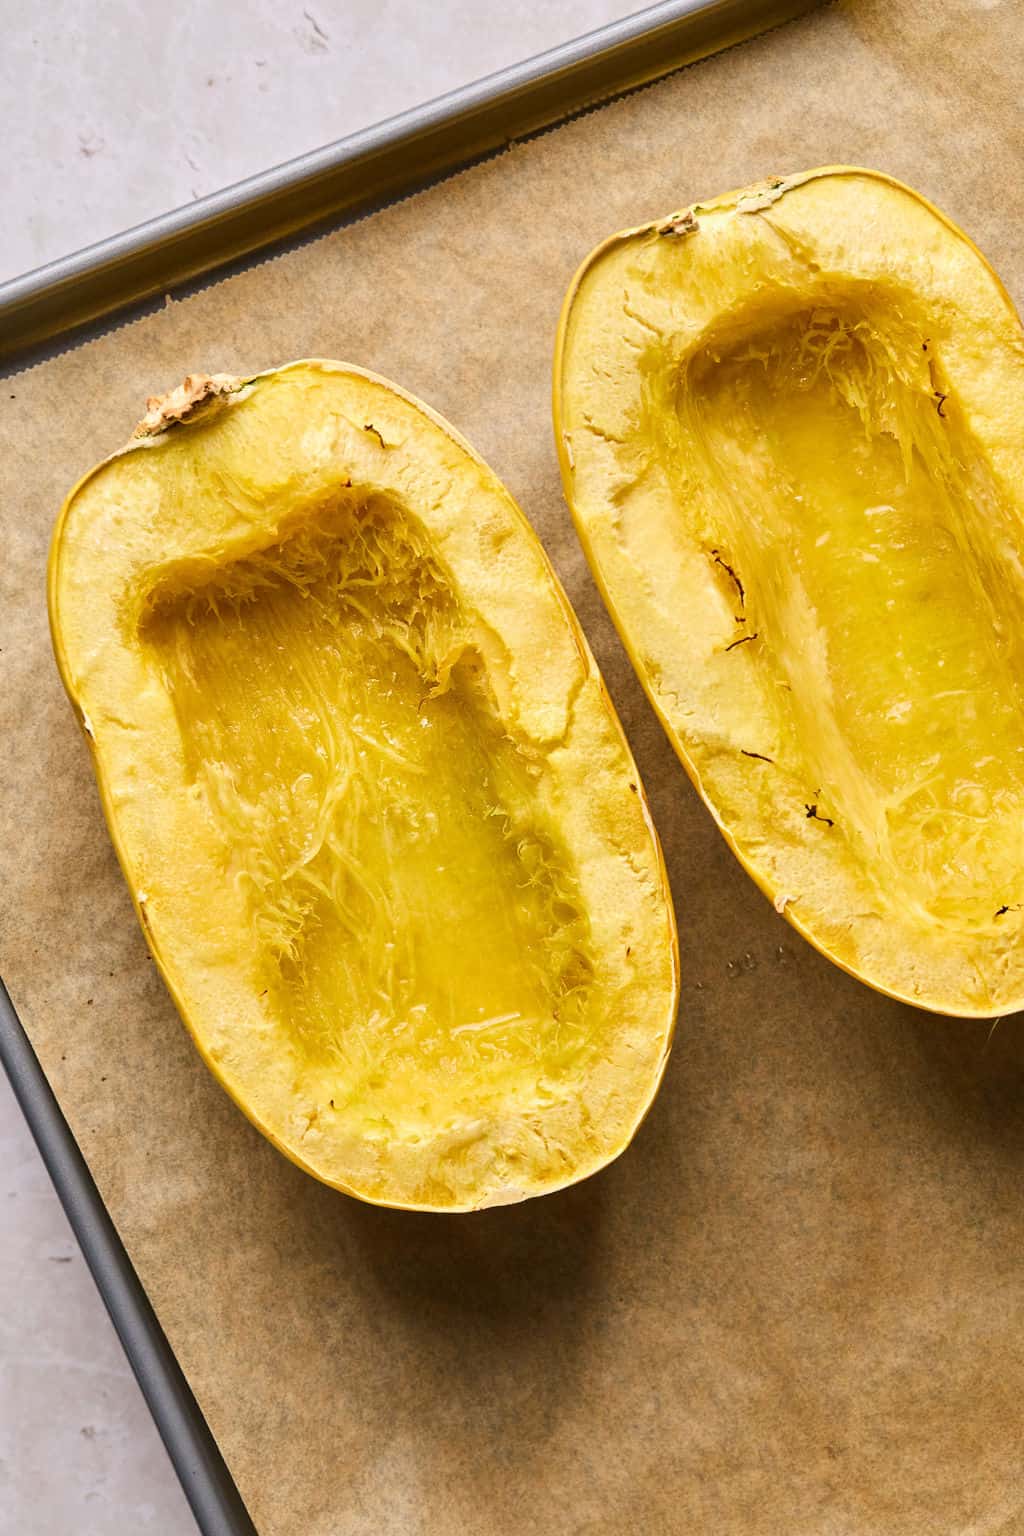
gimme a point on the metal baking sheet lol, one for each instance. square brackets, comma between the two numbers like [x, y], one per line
[46, 310]
[372, 167]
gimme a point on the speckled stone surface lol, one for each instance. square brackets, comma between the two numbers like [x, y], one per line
[113, 115]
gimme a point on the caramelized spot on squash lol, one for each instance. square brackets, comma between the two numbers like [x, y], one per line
[417, 927]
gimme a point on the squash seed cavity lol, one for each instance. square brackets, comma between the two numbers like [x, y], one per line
[419, 930]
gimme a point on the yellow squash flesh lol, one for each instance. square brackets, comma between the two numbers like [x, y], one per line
[380, 823]
[791, 428]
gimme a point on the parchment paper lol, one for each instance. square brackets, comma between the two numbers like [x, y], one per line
[797, 1304]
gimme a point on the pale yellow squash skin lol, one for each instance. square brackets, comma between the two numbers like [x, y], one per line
[380, 823]
[791, 432]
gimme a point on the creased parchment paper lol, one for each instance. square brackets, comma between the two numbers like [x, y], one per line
[797, 1304]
